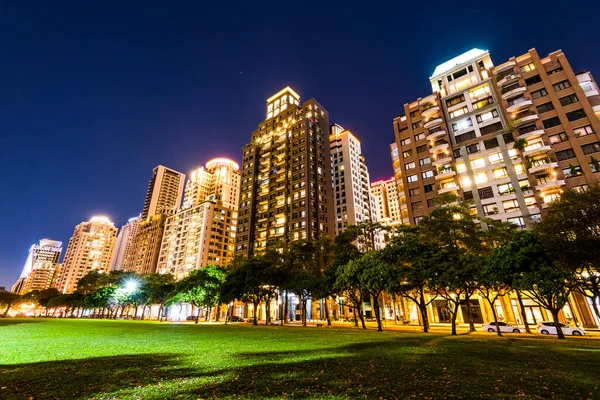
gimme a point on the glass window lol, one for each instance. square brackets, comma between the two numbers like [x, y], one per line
[419, 136]
[455, 100]
[551, 122]
[411, 178]
[495, 158]
[424, 161]
[506, 188]
[583, 131]
[460, 167]
[591, 148]
[575, 115]
[561, 86]
[461, 125]
[407, 153]
[404, 142]
[533, 80]
[482, 103]
[569, 99]
[487, 116]
[565, 154]
[500, 173]
[519, 221]
[459, 112]
[481, 177]
[559, 137]
[542, 108]
[527, 67]
[427, 174]
[477, 162]
[410, 165]
[539, 93]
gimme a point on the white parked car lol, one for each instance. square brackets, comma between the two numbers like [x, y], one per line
[549, 328]
[504, 327]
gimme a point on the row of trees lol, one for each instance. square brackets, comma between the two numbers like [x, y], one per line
[447, 256]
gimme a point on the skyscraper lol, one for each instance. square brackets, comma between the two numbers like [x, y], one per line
[90, 248]
[203, 231]
[163, 199]
[350, 179]
[41, 266]
[124, 247]
[286, 190]
[509, 137]
[164, 192]
[385, 193]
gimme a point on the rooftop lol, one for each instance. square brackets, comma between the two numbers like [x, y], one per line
[456, 61]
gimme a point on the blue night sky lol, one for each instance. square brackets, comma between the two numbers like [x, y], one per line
[96, 94]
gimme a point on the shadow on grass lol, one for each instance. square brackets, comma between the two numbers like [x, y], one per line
[396, 368]
[17, 321]
[69, 379]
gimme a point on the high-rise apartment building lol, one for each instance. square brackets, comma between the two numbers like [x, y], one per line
[124, 248]
[41, 266]
[203, 231]
[510, 138]
[163, 199]
[385, 193]
[164, 192]
[90, 249]
[350, 179]
[286, 190]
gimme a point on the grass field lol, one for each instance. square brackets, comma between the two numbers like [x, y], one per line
[65, 359]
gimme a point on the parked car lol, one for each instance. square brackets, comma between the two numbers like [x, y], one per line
[504, 327]
[235, 318]
[549, 328]
[191, 318]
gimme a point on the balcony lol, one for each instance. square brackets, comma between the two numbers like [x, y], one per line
[513, 92]
[430, 111]
[439, 147]
[434, 122]
[449, 188]
[536, 150]
[504, 67]
[442, 161]
[436, 135]
[517, 105]
[542, 167]
[508, 78]
[430, 98]
[525, 119]
[532, 134]
[555, 184]
[446, 173]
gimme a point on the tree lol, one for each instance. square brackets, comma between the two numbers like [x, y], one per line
[157, 288]
[349, 283]
[303, 276]
[8, 300]
[546, 284]
[451, 227]
[365, 233]
[202, 287]
[416, 261]
[570, 234]
[373, 275]
[45, 296]
[345, 250]
[324, 257]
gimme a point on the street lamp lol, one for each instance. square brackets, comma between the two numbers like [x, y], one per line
[131, 286]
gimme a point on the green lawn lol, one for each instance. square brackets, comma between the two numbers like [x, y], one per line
[51, 358]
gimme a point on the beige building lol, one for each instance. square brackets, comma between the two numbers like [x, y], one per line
[40, 268]
[163, 198]
[385, 193]
[124, 248]
[286, 189]
[509, 138]
[203, 232]
[90, 249]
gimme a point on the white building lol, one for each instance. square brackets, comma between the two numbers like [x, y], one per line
[41, 266]
[124, 247]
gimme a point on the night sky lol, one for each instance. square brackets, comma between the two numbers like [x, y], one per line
[95, 94]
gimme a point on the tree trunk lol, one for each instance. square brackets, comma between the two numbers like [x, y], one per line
[492, 302]
[285, 308]
[268, 311]
[327, 311]
[303, 312]
[143, 312]
[470, 315]
[362, 319]
[377, 316]
[454, 315]
[523, 313]
[217, 312]
[255, 303]
[423, 309]
[197, 313]
[559, 331]
[160, 311]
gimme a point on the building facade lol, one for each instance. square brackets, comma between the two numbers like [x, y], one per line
[90, 248]
[124, 248]
[350, 178]
[509, 138]
[286, 190]
[163, 199]
[385, 194]
[203, 232]
[40, 268]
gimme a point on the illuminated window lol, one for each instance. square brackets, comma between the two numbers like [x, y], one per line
[477, 162]
[481, 177]
[480, 91]
[466, 182]
[519, 169]
[500, 173]
[527, 67]
[460, 167]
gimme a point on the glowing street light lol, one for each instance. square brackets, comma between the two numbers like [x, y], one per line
[131, 286]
